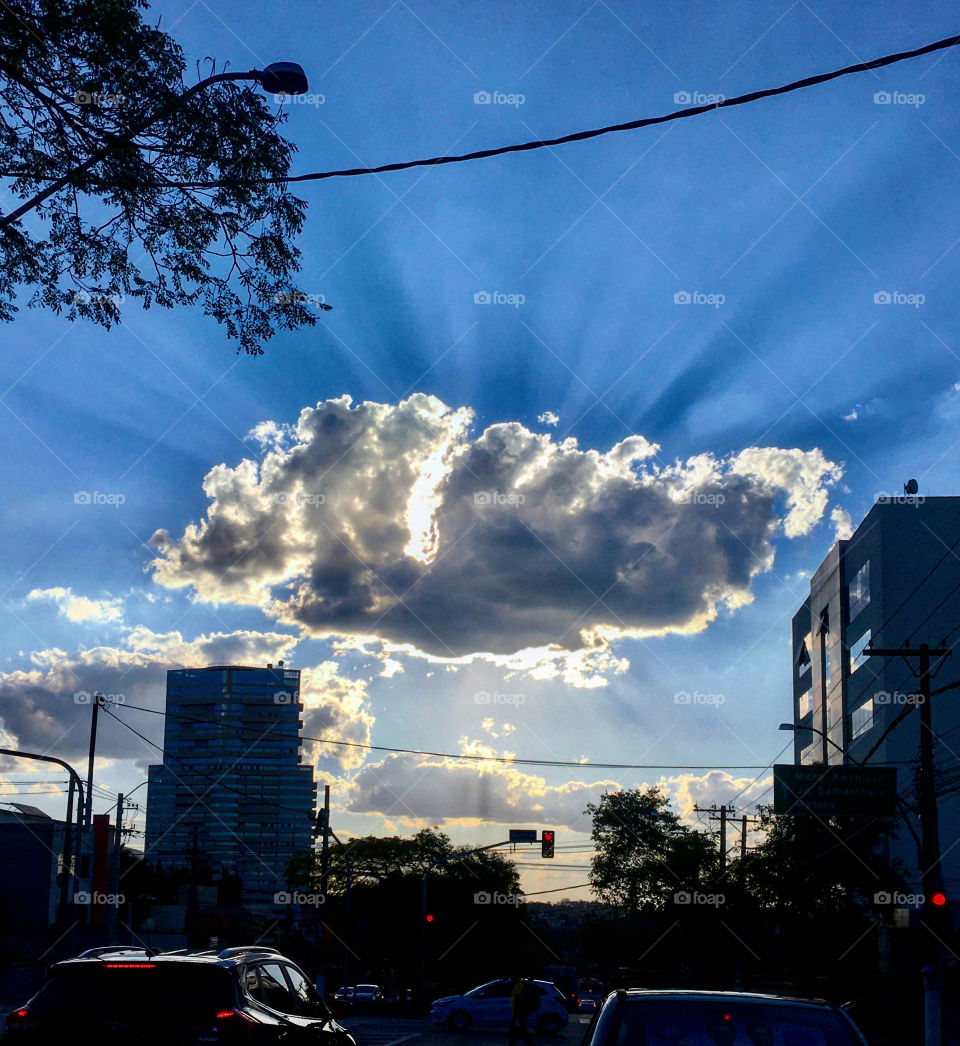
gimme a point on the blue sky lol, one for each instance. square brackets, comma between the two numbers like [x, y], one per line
[784, 219]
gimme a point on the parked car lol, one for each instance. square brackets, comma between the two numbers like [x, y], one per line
[239, 995]
[367, 994]
[489, 1006]
[727, 1018]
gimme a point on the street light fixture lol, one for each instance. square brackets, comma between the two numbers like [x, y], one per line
[284, 78]
[796, 729]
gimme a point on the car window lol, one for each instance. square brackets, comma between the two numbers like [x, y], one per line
[500, 990]
[310, 1004]
[272, 990]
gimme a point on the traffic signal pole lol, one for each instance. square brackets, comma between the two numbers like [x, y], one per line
[931, 869]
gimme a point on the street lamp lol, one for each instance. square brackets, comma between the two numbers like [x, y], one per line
[796, 729]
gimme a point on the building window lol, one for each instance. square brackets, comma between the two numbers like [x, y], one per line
[803, 657]
[858, 592]
[858, 654]
[862, 719]
[805, 704]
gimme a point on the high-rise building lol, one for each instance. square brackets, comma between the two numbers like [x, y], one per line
[232, 790]
[896, 581]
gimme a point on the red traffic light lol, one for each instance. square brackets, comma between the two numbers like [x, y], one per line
[546, 842]
[429, 917]
[939, 899]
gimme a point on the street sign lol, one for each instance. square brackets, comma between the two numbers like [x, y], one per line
[848, 791]
[523, 835]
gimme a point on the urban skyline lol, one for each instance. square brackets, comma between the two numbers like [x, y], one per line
[724, 313]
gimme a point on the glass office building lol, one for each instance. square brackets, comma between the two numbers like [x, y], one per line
[232, 790]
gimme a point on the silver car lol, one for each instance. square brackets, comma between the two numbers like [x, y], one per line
[489, 1006]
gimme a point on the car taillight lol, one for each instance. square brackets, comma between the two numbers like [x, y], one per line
[20, 1019]
[235, 1019]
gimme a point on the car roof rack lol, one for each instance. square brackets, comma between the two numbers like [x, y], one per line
[110, 949]
[243, 949]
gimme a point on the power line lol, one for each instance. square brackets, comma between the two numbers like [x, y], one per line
[559, 889]
[579, 136]
[218, 783]
[456, 755]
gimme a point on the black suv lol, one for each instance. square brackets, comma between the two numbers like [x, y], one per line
[134, 996]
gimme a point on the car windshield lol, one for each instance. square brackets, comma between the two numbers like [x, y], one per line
[691, 1022]
[128, 989]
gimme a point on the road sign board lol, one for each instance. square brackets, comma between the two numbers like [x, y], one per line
[851, 791]
[523, 835]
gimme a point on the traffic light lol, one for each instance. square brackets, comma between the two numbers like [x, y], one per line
[546, 842]
[938, 915]
[429, 917]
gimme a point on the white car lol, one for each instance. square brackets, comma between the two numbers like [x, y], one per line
[489, 1006]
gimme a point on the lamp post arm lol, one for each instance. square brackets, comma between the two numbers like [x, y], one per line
[64, 180]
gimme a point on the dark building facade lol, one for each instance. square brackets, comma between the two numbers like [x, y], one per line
[895, 581]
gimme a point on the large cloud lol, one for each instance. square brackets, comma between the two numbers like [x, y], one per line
[412, 789]
[416, 790]
[394, 523]
[46, 707]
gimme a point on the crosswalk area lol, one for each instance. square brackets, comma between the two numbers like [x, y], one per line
[378, 1032]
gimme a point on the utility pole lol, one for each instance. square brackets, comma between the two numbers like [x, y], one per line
[193, 901]
[930, 835]
[324, 826]
[113, 911]
[719, 813]
[88, 820]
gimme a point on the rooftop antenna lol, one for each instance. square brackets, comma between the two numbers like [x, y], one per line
[911, 487]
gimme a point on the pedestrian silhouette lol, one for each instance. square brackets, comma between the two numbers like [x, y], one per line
[524, 999]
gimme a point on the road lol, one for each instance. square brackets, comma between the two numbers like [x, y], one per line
[400, 1031]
